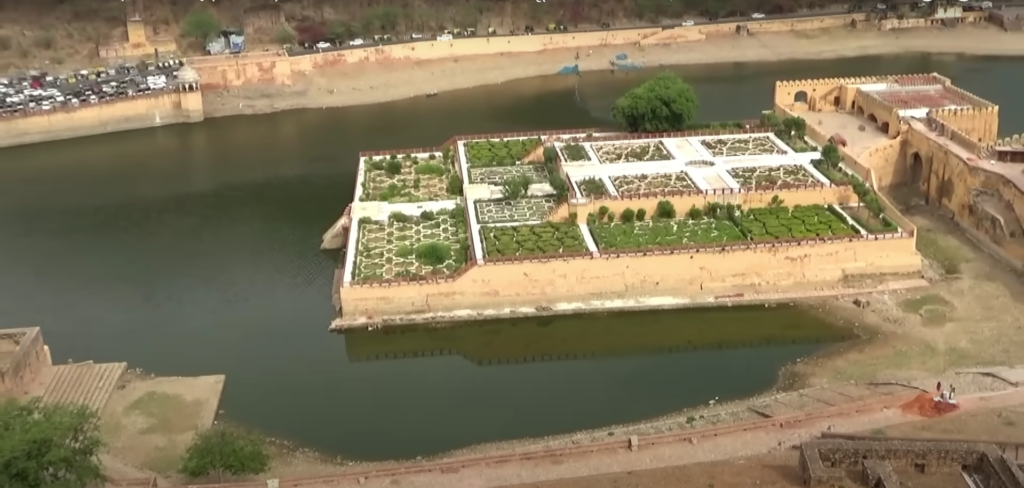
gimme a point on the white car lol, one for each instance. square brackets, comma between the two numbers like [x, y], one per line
[881, 6]
[356, 42]
[445, 37]
[688, 23]
[323, 45]
[757, 16]
[416, 35]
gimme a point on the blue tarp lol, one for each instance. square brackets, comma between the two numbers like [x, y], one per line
[572, 69]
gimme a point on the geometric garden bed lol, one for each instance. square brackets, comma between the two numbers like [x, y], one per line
[405, 246]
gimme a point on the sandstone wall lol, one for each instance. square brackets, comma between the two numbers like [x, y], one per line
[946, 180]
[136, 113]
[26, 363]
[697, 274]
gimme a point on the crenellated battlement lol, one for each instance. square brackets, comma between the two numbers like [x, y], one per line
[972, 98]
[791, 84]
[944, 129]
[980, 125]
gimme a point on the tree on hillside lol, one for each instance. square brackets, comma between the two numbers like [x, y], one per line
[663, 104]
[222, 450]
[200, 23]
[48, 446]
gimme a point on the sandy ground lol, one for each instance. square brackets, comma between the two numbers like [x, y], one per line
[368, 83]
[149, 422]
[778, 468]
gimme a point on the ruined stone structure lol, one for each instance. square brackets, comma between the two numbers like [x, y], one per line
[23, 356]
[922, 131]
[138, 42]
[895, 463]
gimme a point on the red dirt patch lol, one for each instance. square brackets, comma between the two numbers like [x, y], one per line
[925, 405]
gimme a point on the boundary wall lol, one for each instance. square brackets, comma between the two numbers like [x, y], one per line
[141, 112]
[217, 72]
[29, 357]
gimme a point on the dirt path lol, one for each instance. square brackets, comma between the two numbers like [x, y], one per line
[367, 83]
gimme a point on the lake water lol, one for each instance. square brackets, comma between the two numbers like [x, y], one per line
[193, 249]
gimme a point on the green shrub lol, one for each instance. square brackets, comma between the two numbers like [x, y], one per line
[431, 156]
[404, 251]
[399, 217]
[695, 213]
[546, 238]
[433, 253]
[628, 215]
[574, 217]
[515, 187]
[428, 169]
[393, 157]
[550, 155]
[377, 164]
[601, 212]
[393, 167]
[454, 184]
[641, 214]
[665, 210]
[416, 183]
[365, 220]
[428, 216]
[611, 216]
[481, 154]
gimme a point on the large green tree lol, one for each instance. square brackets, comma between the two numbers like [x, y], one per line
[663, 104]
[48, 446]
[223, 450]
[200, 23]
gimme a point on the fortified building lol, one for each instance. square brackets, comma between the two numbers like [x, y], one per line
[923, 132]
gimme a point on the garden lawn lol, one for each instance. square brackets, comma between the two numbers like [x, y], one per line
[663, 233]
[483, 154]
[870, 223]
[535, 239]
[770, 223]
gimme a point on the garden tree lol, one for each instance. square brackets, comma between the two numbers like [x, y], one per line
[830, 153]
[795, 127]
[770, 120]
[200, 23]
[515, 187]
[662, 104]
[383, 19]
[341, 30]
[223, 450]
[48, 446]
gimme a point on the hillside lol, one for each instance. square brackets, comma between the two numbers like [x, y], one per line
[55, 34]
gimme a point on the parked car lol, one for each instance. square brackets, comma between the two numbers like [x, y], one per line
[757, 16]
[688, 23]
[445, 37]
[416, 35]
[323, 45]
[356, 42]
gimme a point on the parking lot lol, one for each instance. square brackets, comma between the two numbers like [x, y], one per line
[41, 92]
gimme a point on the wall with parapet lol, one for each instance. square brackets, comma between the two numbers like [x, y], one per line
[707, 273]
[141, 112]
[974, 125]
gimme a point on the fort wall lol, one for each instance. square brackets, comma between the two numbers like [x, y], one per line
[707, 273]
[141, 112]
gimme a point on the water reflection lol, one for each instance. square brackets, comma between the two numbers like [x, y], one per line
[568, 338]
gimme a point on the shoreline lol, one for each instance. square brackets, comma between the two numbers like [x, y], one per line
[372, 83]
[630, 305]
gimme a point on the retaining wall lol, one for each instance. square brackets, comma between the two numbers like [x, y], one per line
[760, 269]
[135, 113]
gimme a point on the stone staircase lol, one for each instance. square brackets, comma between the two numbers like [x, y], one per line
[85, 384]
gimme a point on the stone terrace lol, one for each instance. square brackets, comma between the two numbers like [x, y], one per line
[705, 163]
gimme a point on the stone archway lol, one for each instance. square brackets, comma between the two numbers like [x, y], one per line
[858, 110]
[800, 97]
[837, 101]
[916, 168]
[884, 127]
[873, 119]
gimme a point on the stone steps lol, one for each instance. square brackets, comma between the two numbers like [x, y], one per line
[85, 384]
